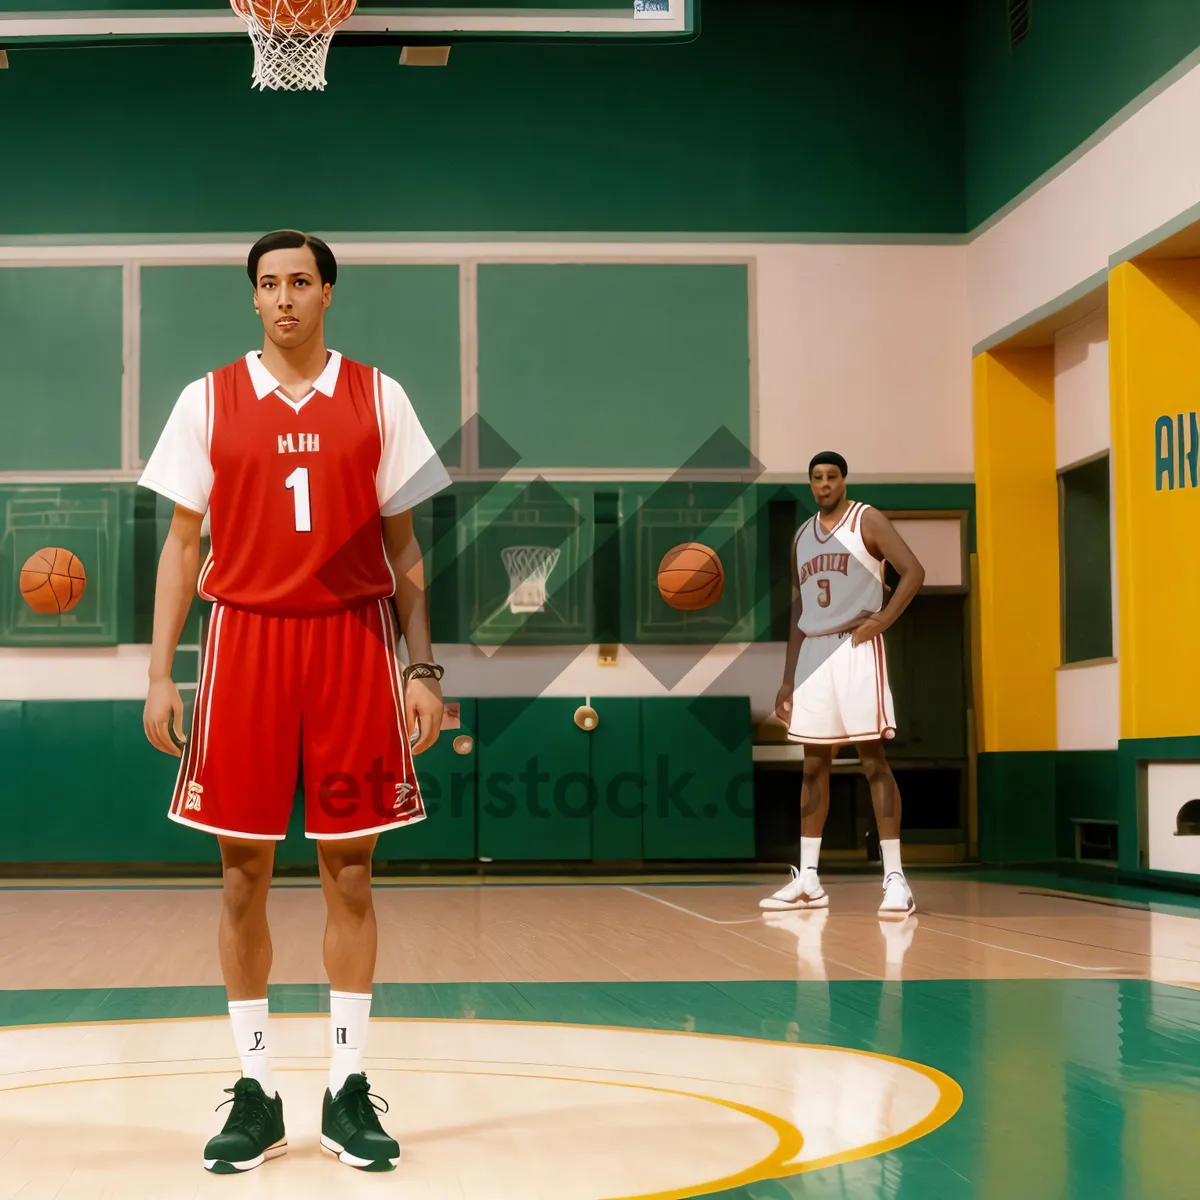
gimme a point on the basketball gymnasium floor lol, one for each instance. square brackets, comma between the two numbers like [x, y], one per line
[584, 1039]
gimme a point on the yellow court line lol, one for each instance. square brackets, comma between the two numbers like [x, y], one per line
[950, 1094]
[789, 1140]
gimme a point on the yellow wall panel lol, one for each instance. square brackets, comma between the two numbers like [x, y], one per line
[1154, 332]
[1017, 521]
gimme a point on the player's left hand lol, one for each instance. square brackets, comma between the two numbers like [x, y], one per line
[423, 704]
[869, 629]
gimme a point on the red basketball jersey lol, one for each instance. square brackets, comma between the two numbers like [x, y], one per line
[294, 512]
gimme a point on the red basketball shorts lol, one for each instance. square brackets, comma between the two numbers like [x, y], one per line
[277, 691]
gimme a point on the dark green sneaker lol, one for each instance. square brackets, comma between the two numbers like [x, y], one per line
[350, 1128]
[253, 1131]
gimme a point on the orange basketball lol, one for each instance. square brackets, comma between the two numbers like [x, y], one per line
[52, 580]
[295, 16]
[690, 576]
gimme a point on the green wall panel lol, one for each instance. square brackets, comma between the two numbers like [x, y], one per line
[767, 98]
[61, 363]
[1017, 806]
[535, 798]
[1082, 62]
[776, 117]
[696, 760]
[605, 349]
[110, 800]
[402, 319]
[193, 320]
[1085, 788]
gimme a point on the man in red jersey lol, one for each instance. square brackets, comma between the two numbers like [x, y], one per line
[306, 467]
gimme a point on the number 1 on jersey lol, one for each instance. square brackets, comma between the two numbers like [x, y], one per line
[297, 481]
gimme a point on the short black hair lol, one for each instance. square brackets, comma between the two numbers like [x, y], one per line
[292, 239]
[830, 458]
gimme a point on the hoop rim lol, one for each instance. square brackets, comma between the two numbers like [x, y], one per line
[285, 20]
[539, 554]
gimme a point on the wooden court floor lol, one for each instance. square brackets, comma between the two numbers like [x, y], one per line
[624, 1038]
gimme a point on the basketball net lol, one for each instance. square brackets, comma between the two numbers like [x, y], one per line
[291, 40]
[528, 569]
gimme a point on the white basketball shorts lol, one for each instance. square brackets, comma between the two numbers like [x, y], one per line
[841, 692]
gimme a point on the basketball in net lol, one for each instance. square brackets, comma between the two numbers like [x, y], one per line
[291, 40]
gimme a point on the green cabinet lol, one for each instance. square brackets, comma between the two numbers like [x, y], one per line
[699, 775]
[665, 778]
[617, 779]
[534, 785]
[81, 784]
[448, 783]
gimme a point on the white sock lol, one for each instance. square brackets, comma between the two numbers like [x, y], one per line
[249, 1019]
[890, 849]
[810, 852]
[349, 1014]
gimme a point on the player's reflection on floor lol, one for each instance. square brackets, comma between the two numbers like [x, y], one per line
[808, 928]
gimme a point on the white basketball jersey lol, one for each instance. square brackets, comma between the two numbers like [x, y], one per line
[840, 579]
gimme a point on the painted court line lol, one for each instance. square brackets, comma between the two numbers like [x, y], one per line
[1008, 949]
[1050, 937]
[961, 937]
[690, 912]
[747, 921]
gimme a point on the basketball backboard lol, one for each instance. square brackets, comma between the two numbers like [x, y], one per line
[83, 520]
[657, 519]
[110, 21]
[556, 522]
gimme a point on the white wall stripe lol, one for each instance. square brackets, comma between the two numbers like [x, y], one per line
[468, 340]
[131, 341]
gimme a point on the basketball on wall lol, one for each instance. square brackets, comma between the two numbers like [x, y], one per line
[52, 580]
[690, 576]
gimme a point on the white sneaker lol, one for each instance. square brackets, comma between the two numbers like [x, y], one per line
[898, 901]
[803, 890]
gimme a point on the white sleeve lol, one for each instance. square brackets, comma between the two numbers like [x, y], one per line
[180, 467]
[409, 468]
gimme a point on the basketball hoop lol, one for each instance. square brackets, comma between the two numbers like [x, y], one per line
[528, 569]
[291, 39]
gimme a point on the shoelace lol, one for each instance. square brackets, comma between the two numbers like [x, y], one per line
[255, 1113]
[366, 1108]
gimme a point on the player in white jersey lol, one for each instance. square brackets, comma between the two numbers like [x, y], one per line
[835, 688]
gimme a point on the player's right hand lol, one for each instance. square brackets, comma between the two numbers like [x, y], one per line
[163, 706]
[783, 703]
